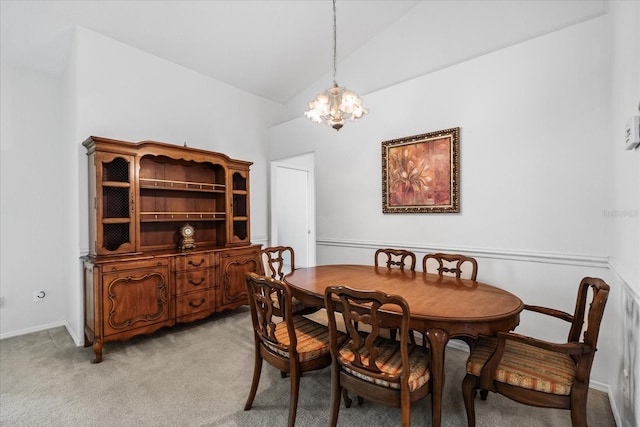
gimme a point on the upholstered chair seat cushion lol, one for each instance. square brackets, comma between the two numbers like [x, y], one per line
[389, 361]
[312, 338]
[526, 366]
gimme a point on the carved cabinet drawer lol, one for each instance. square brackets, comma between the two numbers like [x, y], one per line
[193, 281]
[195, 285]
[193, 262]
[194, 302]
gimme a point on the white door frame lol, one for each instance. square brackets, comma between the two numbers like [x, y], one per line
[304, 162]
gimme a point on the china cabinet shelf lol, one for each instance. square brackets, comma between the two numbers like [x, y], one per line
[162, 184]
[179, 216]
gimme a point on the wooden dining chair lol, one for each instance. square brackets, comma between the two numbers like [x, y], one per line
[537, 372]
[291, 343]
[396, 258]
[277, 262]
[383, 370]
[456, 265]
[399, 258]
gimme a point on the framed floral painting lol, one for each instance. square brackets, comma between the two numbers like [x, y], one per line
[421, 173]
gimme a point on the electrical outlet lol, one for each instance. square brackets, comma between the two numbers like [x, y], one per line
[38, 296]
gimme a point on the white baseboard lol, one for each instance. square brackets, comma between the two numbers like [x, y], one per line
[35, 329]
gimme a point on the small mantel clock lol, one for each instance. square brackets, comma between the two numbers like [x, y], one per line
[186, 238]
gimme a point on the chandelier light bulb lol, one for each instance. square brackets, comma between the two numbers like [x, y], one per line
[335, 105]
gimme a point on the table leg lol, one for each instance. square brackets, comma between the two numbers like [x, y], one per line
[438, 342]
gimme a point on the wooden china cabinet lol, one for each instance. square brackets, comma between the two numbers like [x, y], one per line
[142, 198]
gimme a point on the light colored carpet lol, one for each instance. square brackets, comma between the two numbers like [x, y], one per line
[199, 375]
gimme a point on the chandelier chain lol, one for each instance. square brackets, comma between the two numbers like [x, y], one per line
[335, 42]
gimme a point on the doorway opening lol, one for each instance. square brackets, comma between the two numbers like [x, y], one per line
[293, 221]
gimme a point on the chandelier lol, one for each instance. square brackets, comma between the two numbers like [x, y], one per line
[336, 104]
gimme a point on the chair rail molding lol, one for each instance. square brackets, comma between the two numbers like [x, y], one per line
[596, 261]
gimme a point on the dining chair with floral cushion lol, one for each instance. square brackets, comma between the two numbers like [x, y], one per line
[290, 342]
[391, 372]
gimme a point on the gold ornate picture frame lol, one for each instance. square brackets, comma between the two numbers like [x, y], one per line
[421, 173]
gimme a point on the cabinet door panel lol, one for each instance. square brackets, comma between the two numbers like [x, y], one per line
[234, 265]
[239, 225]
[114, 204]
[135, 298]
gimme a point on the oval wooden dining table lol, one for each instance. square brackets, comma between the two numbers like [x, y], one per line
[441, 307]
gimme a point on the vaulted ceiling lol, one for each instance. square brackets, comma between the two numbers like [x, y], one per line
[277, 49]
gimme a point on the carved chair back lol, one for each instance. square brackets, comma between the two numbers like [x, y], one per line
[278, 261]
[399, 258]
[450, 265]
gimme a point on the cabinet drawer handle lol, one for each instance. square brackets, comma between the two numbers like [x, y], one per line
[198, 264]
[194, 305]
[191, 282]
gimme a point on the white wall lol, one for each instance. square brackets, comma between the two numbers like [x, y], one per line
[534, 162]
[115, 91]
[623, 213]
[33, 224]
[535, 169]
[624, 210]
[533, 119]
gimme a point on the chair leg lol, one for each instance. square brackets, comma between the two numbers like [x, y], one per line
[335, 394]
[579, 409]
[345, 397]
[257, 370]
[412, 336]
[294, 393]
[469, 386]
[392, 333]
[471, 342]
[405, 408]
